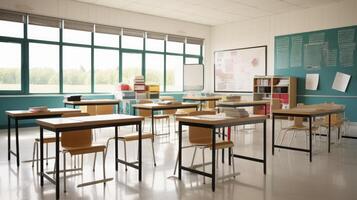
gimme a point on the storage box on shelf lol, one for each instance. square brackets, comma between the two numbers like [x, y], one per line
[281, 91]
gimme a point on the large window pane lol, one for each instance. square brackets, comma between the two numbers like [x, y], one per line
[174, 47]
[154, 69]
[10, 66]
[11, 29]
[193, 49]
[155, 45]
[75, 36]
[109, 40]
[132, 63]
[44, 70]
[174, 73]
[131, 42]
[76, 69]
[189, 60]
[43, 33]
[106, 70]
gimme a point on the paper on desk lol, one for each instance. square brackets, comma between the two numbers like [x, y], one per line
[341, 81]
[312, 81]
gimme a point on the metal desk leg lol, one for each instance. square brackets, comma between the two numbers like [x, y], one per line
[41, 156]
[310, 138]
[8, 137]
[118, 109]
[273, 133]
[329, 133]
[265, 146]
[223, 136]
[116, 148]
[230, 149]
[152, 122]
[57, 166]
[180, 150]
[17, 143]
[140, 151]
[201, 104]
[213, 159]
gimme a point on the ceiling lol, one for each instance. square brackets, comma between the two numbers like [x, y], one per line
[210, 12]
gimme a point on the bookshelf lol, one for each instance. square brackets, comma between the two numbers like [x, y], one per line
[280, 90]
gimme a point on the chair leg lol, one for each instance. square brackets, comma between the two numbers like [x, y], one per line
[82, 162]
[33, 154]
[126, 167]
[203, 164]
[232, 161]
[193, 157]
[217, 154]
[95, 158]
[46, 154]
[64, 172]
[37, 156]
[153, 152]
[176, 163]
[291, 139]
[103, 166]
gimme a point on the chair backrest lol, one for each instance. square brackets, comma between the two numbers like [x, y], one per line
[76, 138]
[210, 105]
[144, 113]
[168, 98]
[90, 109]
[198, 135]
[104, 109]
[298, 121]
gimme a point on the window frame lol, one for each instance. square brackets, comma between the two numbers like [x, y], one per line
[25, 41]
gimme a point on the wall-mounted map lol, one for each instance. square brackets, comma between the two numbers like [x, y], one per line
[235, 69]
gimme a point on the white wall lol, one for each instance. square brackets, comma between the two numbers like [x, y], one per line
[74, 10]
[263, 30]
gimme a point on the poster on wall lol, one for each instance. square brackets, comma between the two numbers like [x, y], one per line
[235, 69]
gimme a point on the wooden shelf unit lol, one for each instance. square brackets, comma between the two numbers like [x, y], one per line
[280, 90]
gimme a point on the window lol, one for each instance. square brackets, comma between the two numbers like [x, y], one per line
[76, 69]
[104, 39]
[190, 60]
[174, 47]
[193, 49]
[106, 70]
[132, 42]
[155, 45]
[76, 36]
[44, 70]
[154, 69]
[10, 66]
[43, 33]
[11, 29]
[132, 63]
[174, 73]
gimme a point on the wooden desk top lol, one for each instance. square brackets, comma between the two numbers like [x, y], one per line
[93, 102]
[51, 111]
[242, 103]
[202, 98]
[312, 110]
[216, 120]
[87, 121]
[152, 106]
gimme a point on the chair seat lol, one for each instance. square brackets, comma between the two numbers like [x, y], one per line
[161, 116]
[85, 149]
[47, 140]
[220, 144]
[135, 136]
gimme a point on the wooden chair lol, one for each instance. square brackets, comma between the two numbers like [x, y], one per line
[337, 122]
[147, 115]
[298, 125]
[79, 143]
[46, 140]
[202, 138]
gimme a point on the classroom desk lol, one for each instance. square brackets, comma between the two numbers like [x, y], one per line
[202, 99]
[237, 104]
[156, 107]
[92, 102]
[18, 115]
[58, 125]
[213, 124]
[307, 111]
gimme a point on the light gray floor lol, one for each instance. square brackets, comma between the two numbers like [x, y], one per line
[290, 175]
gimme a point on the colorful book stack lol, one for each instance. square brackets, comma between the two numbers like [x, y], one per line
[139, 87]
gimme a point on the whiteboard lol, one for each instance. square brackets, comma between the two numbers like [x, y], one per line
[235, 69]
[193, 77]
